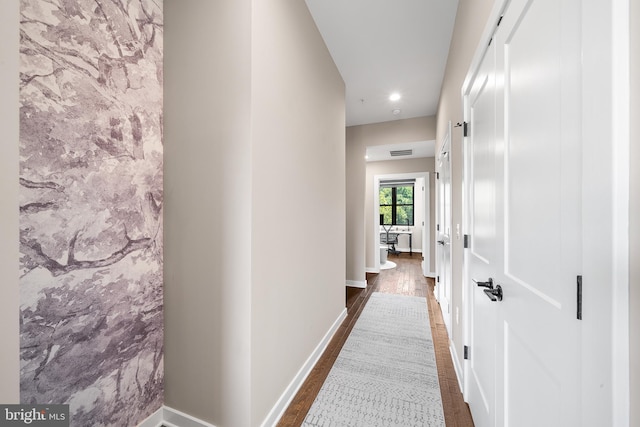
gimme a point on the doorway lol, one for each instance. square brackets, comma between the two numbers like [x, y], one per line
[421, 197]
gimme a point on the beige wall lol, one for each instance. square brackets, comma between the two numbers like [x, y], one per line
[426, 164]
[10, 301]
[396, 131]
[634, 215]
[298, 203]
[356, 173]
[258, 121]
[470, 22]
[207, 241]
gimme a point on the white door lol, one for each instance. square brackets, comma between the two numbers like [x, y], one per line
[525, 208]
[443, 232]
[481, 256]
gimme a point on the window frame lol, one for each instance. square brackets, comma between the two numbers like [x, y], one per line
[394, 205]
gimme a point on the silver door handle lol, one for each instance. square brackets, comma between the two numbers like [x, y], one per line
[494, 294]
[487, 284]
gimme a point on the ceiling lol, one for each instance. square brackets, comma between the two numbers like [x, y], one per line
[386, 46]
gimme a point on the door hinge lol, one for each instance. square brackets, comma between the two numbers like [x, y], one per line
[466, 241]
[437, 175]
[466, 352]
[437, 226]
[579, 298]
[465, 129]
[438, 279]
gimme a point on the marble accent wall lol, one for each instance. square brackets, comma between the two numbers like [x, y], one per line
[91, 313]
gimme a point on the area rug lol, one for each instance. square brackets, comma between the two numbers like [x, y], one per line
[385, 374]
[388, 265]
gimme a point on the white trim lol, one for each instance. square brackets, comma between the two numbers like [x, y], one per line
[285, 399]
[153, 420]
[431, 274]
[456, 363]
[372, 270]
[474, 67]
[426, 229]
[620, 126]
[483, 43]
[407, 250]
[174, 418]
[357, 283]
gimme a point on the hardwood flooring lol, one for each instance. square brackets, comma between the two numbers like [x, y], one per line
[405, 279]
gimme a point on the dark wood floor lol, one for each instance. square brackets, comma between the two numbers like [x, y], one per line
[405, 279]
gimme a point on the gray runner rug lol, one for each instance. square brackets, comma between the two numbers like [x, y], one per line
[385, 374]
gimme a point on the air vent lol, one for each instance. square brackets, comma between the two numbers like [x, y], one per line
[398, 153]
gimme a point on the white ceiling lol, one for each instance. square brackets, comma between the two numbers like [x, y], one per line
[385, 46]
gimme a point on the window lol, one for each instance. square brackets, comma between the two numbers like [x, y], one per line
[396, 204]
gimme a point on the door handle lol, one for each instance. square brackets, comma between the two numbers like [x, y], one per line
[494, 294]
[487, 284]
[441, 242]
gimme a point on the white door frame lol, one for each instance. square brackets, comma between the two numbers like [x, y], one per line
[606, 202]
[426, 229]
[444, 285]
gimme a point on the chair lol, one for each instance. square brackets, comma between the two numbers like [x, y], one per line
[390, 239]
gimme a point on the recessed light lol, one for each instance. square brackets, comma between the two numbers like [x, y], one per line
[394, 96]
[396, 111]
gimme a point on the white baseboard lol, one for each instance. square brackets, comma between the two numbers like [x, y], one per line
[372, 270]
[431, 274]
[153, 420]
[285, 399]
[407, 250]
[357, 284]
[457, 366]
[170, 417]
[174, 418]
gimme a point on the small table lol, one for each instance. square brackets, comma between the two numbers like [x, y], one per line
[399, 232]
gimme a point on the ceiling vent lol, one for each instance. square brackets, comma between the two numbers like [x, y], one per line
[397, 153]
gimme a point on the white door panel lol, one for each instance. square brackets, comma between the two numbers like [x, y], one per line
[525, 218]
[481, 160]
[541, 212]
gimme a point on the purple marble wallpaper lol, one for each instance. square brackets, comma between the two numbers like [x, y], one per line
[91, 199]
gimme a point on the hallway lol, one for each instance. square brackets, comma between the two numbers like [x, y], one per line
[405, 279]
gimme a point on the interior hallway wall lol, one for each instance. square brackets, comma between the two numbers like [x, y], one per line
[208, 210]
[298, 196]
[470, 21]
[9, 225]
[90, 202]
[255, 160]
[634, 215]
[355, 194]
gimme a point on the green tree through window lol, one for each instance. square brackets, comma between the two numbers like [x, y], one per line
[396, 205]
